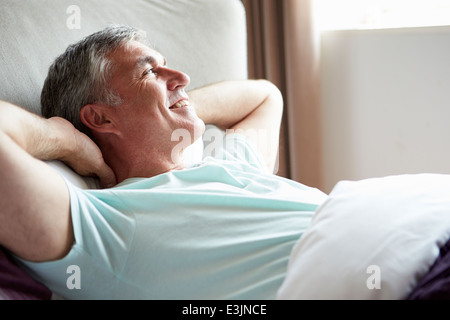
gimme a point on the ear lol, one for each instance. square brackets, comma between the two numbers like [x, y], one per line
[97, 118]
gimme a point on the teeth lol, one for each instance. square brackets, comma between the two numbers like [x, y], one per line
[182, 103]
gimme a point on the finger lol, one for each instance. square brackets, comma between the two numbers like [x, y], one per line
[107, 177]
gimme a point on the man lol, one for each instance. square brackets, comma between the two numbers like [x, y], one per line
[221, 229]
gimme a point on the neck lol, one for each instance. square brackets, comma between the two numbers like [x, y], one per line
[132, 163]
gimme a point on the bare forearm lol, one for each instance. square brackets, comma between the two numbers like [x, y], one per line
[44, 139]
[54, 139]
[227, 103]
[250, 107]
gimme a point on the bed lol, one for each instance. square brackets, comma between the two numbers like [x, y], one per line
[380, 238]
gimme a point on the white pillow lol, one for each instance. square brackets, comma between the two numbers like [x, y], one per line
[192, 154]
[372, 239]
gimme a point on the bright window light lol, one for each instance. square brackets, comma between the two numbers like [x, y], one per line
[377, 14]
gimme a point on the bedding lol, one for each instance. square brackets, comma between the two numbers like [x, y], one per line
[436, 284]
[372, 239]
[17, 284]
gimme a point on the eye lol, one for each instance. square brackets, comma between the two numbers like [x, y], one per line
[148, 71]
[151, 71]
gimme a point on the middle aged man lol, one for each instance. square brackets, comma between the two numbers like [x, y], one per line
[220, 229]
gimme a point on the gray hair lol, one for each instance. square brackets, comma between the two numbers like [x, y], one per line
[81, 75]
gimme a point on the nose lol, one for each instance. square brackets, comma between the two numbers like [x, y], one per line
[176, 80]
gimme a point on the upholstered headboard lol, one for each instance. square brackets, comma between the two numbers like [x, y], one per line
[204, 38]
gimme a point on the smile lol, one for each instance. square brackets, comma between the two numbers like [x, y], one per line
[180, 104]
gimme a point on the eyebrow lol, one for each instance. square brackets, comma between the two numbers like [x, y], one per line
[148, 60]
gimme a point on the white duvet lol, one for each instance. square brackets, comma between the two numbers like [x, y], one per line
[372, 239]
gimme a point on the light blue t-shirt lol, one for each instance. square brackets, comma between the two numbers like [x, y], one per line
[221, 229]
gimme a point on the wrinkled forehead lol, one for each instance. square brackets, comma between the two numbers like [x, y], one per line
[134, 56]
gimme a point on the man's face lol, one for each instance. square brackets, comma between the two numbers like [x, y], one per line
[155, 103]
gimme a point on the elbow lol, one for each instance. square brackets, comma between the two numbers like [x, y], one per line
[275, 97]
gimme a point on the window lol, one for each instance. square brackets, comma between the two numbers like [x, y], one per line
[376, 14]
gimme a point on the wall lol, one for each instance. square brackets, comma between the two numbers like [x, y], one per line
[385, 102]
